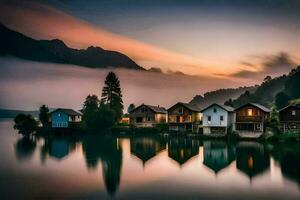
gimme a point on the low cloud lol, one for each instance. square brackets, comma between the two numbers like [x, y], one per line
[267, 65]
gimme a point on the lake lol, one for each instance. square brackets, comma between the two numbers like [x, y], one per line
[145, 167]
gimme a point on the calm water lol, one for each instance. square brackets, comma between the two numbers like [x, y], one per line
[145, 168]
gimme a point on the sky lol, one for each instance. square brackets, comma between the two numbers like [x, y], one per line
[212, 43]
[225, 38]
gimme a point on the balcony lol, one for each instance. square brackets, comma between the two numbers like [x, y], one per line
[249, 118]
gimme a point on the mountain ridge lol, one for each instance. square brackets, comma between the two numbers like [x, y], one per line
[56, 51]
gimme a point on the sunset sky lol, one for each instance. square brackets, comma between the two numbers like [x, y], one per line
[225, 38]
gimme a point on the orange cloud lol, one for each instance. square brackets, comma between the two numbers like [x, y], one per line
[42, 21]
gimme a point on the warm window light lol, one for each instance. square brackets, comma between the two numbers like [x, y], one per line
[250, 113]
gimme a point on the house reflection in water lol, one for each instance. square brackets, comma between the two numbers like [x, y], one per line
[181, 149]
[107, 150]
[145, 148]
[218, 155]
[57, 148]
[252, 158]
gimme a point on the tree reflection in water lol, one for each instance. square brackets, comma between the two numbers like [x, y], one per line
[24, 148]
[107, 150]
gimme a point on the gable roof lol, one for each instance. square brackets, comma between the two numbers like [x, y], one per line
[68, 111]
[226, 108]
[295, 106]
[189, 106]
[156, 109]
[261, 107]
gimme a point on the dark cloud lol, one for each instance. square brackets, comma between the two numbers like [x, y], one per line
[270, 65]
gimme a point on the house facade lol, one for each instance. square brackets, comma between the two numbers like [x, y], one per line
[184, 117]
[290, 118]
[216, 119]
[250, 120]
[147, 116]
[63, 117]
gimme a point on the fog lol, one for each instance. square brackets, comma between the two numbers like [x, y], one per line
[27, 85]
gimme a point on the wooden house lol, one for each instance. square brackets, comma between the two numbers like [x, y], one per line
[64, 118]
[290, 118]
[250, 120]
[184, 117]
[216, 119]
[147, 116]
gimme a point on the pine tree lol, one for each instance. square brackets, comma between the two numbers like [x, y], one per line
[44, 115]
[112, 95]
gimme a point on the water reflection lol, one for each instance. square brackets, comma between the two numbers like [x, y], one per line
[288, 156]
[24, 148]
[218, 154]
[107, 150]
[146, 147]
[115, 156]
[181, 149]
[252, 158]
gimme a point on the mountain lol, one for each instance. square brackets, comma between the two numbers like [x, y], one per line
[283, 88]
[7, 113]
[219, 96]
[56, 51]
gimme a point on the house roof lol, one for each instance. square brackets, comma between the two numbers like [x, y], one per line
[156, 109]
[261, 107]
[227, 108]
[68, 111]
[188, 106]
[295, 106]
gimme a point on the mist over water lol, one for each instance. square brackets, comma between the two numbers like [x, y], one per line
[27, 85]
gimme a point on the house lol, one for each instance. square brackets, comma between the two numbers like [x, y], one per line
[216, 119]
[184, 117]
[250, 120]
[63, 118]
[290, 118]
[147, 116]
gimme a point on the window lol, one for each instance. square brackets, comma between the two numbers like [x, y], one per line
[58, 114]
[293, 112]
[148, 119]
[180, 110]
[249, 112]
[209, 118]
[221, 117]
[215, 110]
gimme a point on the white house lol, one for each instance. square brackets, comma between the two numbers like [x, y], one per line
[217, 118]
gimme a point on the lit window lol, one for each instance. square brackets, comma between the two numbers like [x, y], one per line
[293, 112]
[221, 118]
[249, 112]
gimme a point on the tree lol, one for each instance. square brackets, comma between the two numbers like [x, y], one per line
[267, 79]
[281, 100]
[25, 124]
[112, 95]
[44, 115]
[130, 108]
[292, 85]
[90, 108]
[104, 118]
[274, 121]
